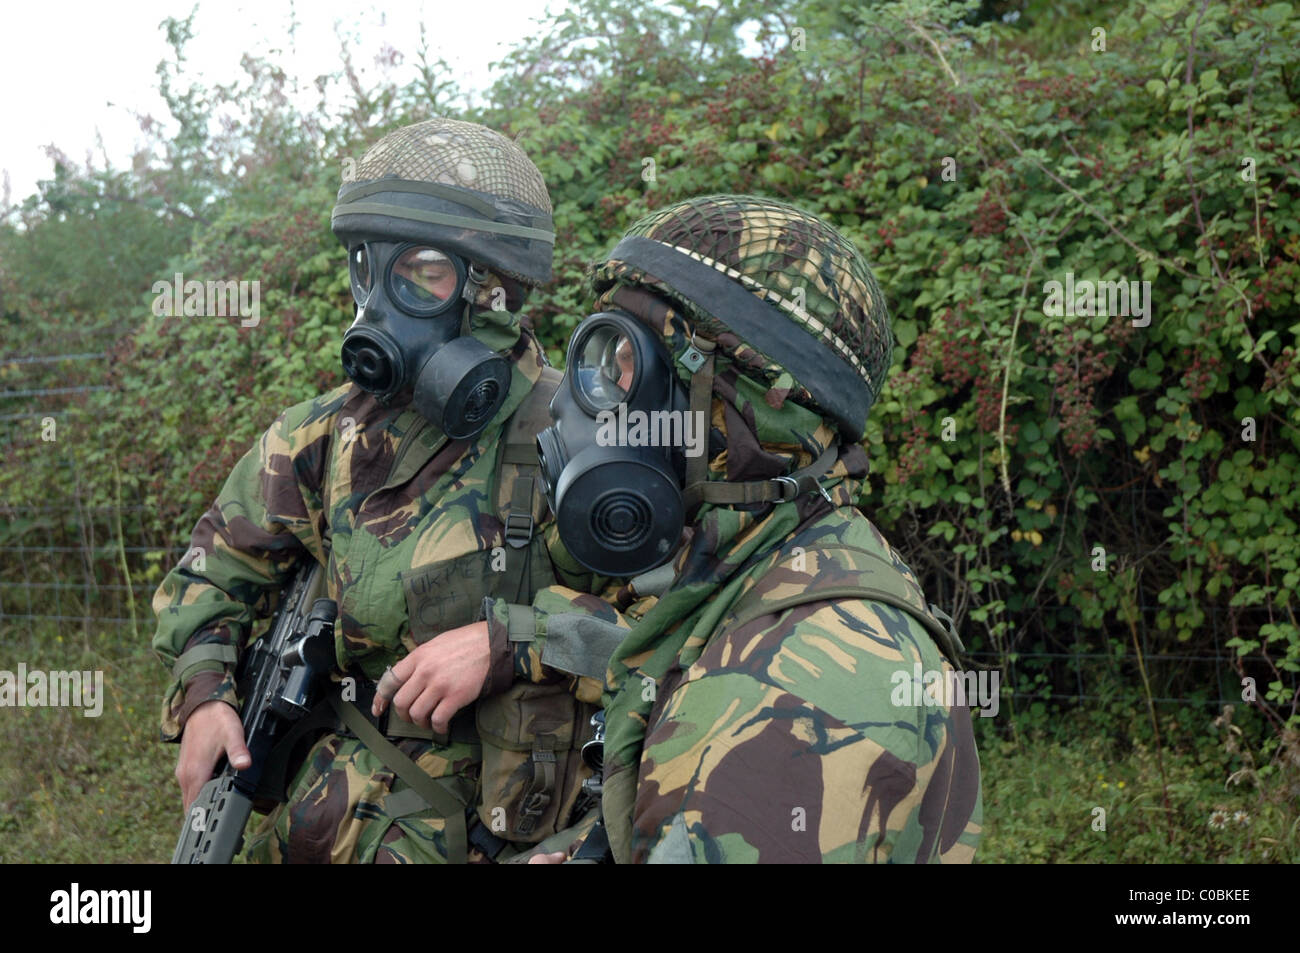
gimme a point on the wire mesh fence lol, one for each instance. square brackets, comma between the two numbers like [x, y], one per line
[89, 571]
[68, 568]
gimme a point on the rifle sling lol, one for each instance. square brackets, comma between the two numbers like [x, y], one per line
[444, 802]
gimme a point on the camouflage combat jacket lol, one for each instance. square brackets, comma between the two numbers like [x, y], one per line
[411, 529]
[754, 711]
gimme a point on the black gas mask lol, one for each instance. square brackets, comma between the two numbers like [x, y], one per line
[628, 455]
[410, 336]
[615, 460]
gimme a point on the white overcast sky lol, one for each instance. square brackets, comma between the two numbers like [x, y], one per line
[62, 65]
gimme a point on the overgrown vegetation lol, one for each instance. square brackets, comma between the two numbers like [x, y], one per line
[1069, 484]
[100, 790]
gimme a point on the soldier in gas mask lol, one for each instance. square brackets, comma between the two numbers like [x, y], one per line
[416, 487]
[707, 443]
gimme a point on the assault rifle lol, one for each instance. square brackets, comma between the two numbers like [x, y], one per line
[279, 679]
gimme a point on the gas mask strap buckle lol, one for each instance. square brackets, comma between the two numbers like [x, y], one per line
[783, 489]
[475, 275]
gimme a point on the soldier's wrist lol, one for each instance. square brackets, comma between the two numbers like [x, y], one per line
[203, 688]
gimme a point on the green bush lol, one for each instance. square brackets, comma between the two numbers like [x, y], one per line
[1066, 484]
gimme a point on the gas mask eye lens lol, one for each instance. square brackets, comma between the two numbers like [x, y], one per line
[424, 281]
[360, 262]
[606, 368]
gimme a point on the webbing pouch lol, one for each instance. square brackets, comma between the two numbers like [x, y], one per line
[532, 770]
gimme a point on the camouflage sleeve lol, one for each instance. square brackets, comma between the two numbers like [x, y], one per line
[564, 635]
[804, 737]
[268, 515]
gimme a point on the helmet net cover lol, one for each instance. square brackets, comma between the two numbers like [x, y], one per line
[455, 185]
[802, 271]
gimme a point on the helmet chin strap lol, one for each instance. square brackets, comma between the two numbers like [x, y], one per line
[698, 358]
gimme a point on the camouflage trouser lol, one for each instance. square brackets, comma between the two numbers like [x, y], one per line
[343, 808]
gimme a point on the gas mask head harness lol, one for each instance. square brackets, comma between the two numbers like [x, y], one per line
[410, 337]
[627, 457]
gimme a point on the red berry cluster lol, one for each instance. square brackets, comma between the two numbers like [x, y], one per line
[757, 90]
[718, 114]
[912, 455]
[290, 238]
[1050, 87]
[644, 133]
[958, 355]
[1201, 373]
[852, 181]
[888, 231]
[1278, 279]
[988, 405]
[1077, 369]
[659, 134]
[611, 208]
[1281, 369]
[1118, 333]
[989, 218]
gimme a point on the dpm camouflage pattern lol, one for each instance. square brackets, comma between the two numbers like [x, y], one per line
[809, 688]
[410, 529]
[346, 806]
[777, 740]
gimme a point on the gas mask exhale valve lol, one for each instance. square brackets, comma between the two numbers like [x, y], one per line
[406, 340]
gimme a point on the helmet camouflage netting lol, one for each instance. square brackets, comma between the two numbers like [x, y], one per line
[784, 295]
[457, 186]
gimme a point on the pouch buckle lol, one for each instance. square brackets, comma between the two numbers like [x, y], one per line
[519, 529]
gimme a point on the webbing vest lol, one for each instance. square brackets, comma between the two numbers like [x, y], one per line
[526, 490]
[449, 796]
[452, 797]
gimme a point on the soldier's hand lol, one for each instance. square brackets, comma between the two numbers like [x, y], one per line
[440, 677]
[558, 857]
[213, 729]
